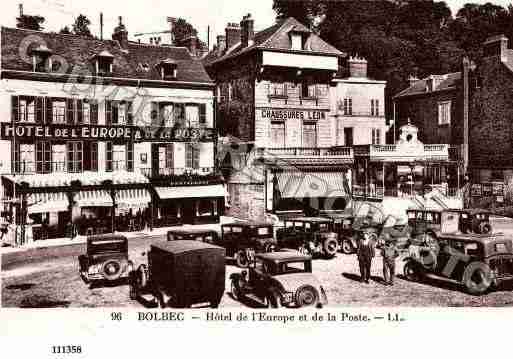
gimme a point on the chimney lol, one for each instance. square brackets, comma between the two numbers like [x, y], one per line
[221, 44]
[191, 43]
[412, 80]
[247, 30]
[121, 34]
[496, 46]
[430, 84]
[357, 66]
[233, 34]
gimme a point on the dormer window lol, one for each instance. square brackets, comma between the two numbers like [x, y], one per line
[168, 70]
[41, 59]
[298, 38]
[104, 62]
[297, 41]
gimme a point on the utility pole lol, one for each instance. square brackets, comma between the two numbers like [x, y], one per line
[101, 26]
[21, 9]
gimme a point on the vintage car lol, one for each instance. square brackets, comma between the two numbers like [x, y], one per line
[309, 235]
[475, 221]
[193, 234]
[106, 259]
[242, 240]
[279, 279]
[180, 273]
[477, 261]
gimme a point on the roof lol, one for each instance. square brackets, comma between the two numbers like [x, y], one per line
[284, 256]
[193, 231]
[276, 37]
[79, 51]
[106, 237]
[310, 219]
[472, 237]
[183, 246]
[444, 82]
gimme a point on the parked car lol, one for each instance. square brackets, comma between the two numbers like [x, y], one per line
[477, 261]
[193, 234]
[243, 240]
[181, 273]
[309, 235]
[279, 279]
[475, 221]
[106, 258]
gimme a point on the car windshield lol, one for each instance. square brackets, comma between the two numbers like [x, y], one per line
[107, 246]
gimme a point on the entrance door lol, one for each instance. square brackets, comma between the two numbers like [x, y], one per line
[348, 136]
[188, 211]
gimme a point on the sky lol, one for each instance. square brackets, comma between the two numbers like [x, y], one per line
[150, 15]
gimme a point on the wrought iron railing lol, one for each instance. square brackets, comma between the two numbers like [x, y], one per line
[306, 151]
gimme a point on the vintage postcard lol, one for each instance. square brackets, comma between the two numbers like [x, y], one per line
[280, 162]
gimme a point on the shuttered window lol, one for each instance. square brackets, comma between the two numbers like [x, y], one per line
[192, 154]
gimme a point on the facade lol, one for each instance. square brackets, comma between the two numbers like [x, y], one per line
[275, 92]
[104, 135]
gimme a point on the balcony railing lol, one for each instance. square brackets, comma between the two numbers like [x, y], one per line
[346, 152]
[430, 151]
[341, 112]
[163, 172]
[183, 176]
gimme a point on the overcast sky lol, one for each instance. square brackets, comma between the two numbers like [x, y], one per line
[150, 15]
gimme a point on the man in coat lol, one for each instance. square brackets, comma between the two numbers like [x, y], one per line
[365, 253]
[389, 253]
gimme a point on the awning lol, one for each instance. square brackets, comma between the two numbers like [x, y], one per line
[191, 191]
[130, 198]
[311, 184]
[93, 198]
[47, 202]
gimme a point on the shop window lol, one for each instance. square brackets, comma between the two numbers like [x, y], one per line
[309, 134]
[348, 106]
[75, 156]
[374, 107]
[43, 157]
[278, 134]
[444, 113]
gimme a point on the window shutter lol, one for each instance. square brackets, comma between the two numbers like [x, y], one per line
[15, 106]
[93, 112]
[129, 114]
[39, 110]
[115, 113]
[108, 113]
[70, 111]
[196, 155]
[155, 114]
[179, 114]
[49, 110]
[80, 113]
[203, 114]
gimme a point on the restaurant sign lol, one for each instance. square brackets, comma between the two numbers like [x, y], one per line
[293, 114]
[64, 132]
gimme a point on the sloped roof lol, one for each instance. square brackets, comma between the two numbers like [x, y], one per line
[80, 51]
[444, 82]
[276, 37]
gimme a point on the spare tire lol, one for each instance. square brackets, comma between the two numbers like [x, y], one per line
[330, 247]
[112, 269]
[306, 296]
[241, 259]
[485, 228]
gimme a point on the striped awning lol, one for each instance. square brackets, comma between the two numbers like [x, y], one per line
[93, 198]
[311, 184]
[216, 190]
[133, 198]
[47, 202]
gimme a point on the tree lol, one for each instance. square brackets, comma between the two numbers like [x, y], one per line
[81, 26]
[65, 30]
[30, 22]
[182, 30]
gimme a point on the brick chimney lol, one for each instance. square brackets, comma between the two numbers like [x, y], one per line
[121, 34]
[221, 44]
[247, 30]
[496, 46]
[233, 34]
[357, 66]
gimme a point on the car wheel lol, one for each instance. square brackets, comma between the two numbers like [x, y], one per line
[235, 289]
[485, 228]
[241, 259]
[274, 300]
[269, 247]
[477, 278]
[306, 296]
[347, 246]
[330, 247]
[411, 271]
[112, 269]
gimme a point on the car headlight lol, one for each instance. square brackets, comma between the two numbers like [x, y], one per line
[288, 297]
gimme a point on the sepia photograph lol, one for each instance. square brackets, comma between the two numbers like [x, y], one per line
[247, 155]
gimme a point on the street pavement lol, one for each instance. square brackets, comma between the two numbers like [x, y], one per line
[49, 277]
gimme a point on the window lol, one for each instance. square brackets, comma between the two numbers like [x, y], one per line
[43, 157]
[169, 71]
[192, 153]
[374, 107]
[179, 114]
[119, 157]
[376, 136]
[75, 156]
[104, 66]
[297, 42]
[277, 134]
[277, 89]
[23, 158]
[309, 90]
[59, 111]
[206, 208]
[130, 156]
[42, 62]
[444, 113]
[192, 115]
[340, 132]
[166, 113]
[93, 164]
[348, 106]
[203, 114]
[27, 110]
[310, 134]
[166, 157]
[108, 157]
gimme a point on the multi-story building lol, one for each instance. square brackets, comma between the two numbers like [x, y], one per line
[104, 132]
[274, 90]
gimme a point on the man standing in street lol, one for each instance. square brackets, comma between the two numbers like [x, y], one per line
[389, 253]
[365, 254]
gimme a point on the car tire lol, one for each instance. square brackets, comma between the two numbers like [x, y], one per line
[274, 300]
[485, 228]
[112, 269]
[411, 271]
[235, 290]
[330, 247]
[477, 278]
[241, 259]
[270, 247]
[306, 296]
[347, 246]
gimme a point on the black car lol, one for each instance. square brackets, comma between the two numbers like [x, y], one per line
[106, 258]
[243, 240]
[193, 234]
[181, 273]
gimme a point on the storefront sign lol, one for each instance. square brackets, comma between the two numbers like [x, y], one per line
[64, 132]
[284, 114]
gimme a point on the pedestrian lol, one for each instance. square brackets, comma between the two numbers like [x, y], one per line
[365, 253]
[389, 253]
